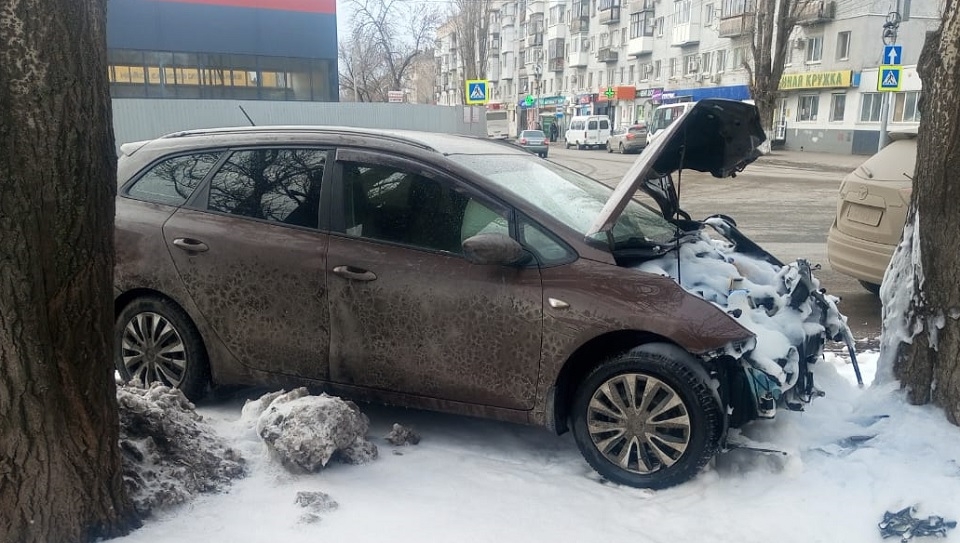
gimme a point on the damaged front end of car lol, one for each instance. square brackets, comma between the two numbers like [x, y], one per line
[782, 304]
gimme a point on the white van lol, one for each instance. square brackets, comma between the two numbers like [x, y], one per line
[664, 116]
[588, 131]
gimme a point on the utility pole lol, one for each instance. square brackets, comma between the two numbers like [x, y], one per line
[890, 28]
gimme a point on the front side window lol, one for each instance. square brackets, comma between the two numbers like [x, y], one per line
[276, 185]
[173, 180]
[807, 110]
[389, 204]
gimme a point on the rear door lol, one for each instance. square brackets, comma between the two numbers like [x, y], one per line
[408, 312]
[593, 130]
[604, 133]
[251, 251]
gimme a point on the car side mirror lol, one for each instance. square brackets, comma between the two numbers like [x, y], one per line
[494, 249]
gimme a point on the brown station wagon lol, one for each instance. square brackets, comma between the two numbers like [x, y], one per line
[440, 272]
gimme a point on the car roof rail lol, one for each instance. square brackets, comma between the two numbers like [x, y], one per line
[374, 132]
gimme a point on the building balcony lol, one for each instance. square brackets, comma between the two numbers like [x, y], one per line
[610, 16]
[817, 12]
[580, 25]
[739, 25]
[555, 64]
[535, 39]
[640, 46]
[685, 34]
[493, 70]
[578, 59]
[506, 72]
[507, 21]
[607, 54]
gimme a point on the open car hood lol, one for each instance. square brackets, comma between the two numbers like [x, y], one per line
[716, 135]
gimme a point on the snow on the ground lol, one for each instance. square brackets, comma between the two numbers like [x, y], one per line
[475, 481]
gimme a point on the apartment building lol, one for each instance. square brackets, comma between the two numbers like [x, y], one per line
[622, 58]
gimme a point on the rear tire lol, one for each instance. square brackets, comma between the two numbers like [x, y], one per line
[872, 287]
[567, 145]
[621, 149]
[579, 146]
[659, 436]
[155, 340]
[609, 149]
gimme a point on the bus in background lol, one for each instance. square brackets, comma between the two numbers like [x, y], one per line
[497, 124]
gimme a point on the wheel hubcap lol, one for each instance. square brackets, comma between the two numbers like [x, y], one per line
[638, 422]
[152, 350]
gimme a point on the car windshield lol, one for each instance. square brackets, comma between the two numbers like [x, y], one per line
[531, 134]
[572, 198]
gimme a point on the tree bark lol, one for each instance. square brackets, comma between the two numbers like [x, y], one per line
[930, 369]
[60, 471]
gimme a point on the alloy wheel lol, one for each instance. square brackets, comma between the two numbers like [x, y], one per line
[638, 423]
[152, 350]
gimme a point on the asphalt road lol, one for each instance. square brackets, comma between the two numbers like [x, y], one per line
[786, 208]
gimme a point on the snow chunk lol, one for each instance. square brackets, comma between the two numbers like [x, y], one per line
[306, 432]
[169, 453]
[401, 435]
[315, 503]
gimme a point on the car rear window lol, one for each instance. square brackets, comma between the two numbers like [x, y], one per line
[172, 180]
[638, 129]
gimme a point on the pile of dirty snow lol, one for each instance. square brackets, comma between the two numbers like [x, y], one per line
[758, 295]
[169, 453]
[305, 432]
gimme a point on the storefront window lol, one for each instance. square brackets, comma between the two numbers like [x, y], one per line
[807, 108]
[838, 102]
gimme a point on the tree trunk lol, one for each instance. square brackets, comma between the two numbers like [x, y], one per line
[60, 473]
[930, 367]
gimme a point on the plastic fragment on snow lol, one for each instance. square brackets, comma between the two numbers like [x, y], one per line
[904, 525]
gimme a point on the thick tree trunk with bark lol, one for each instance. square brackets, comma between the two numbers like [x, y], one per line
[930, 367]
[60, 473]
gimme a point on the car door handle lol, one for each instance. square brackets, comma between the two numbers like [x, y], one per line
[190, 245]
[354, 274]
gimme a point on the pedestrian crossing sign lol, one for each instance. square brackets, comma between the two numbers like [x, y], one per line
[890, 78]
[476, 91]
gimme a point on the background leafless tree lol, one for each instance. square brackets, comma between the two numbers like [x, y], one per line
[775, 21]
[60, 471]
[929, 367]
[364, 75]
[397, 31]
[471, 20]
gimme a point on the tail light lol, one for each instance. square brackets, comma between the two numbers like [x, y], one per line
[630, 136]
[523, 141]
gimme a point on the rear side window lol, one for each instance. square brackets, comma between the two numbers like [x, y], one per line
[172, 180]
[576, 125]
[592, 125]
[277, 185]
[604, 124]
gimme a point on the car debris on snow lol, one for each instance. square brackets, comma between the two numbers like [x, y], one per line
[904, 525]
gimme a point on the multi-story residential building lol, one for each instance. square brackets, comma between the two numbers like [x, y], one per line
[622, 58]
[450, 82]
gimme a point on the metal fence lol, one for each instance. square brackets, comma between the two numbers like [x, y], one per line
[137, 119]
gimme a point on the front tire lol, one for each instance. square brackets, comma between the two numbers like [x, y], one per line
[609, 149]
[155, 340]
[647, 420]
[621, 149]
[872, 287]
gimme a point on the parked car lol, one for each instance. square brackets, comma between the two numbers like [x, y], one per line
[871, 211]
[664, 116]
[588, 131]
[455, 274]
[534, 141]
[629, 139]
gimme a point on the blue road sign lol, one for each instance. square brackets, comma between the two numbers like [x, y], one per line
[892, 55]
[890, 78]
[476, 91]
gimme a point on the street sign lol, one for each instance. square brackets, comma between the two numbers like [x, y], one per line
[476, 91]
[892, 55]
[395, 97]
[890, 78]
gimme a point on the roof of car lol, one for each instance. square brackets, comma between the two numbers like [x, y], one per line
[446, 144]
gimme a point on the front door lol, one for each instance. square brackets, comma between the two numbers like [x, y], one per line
[408, 313]
[249, 249]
